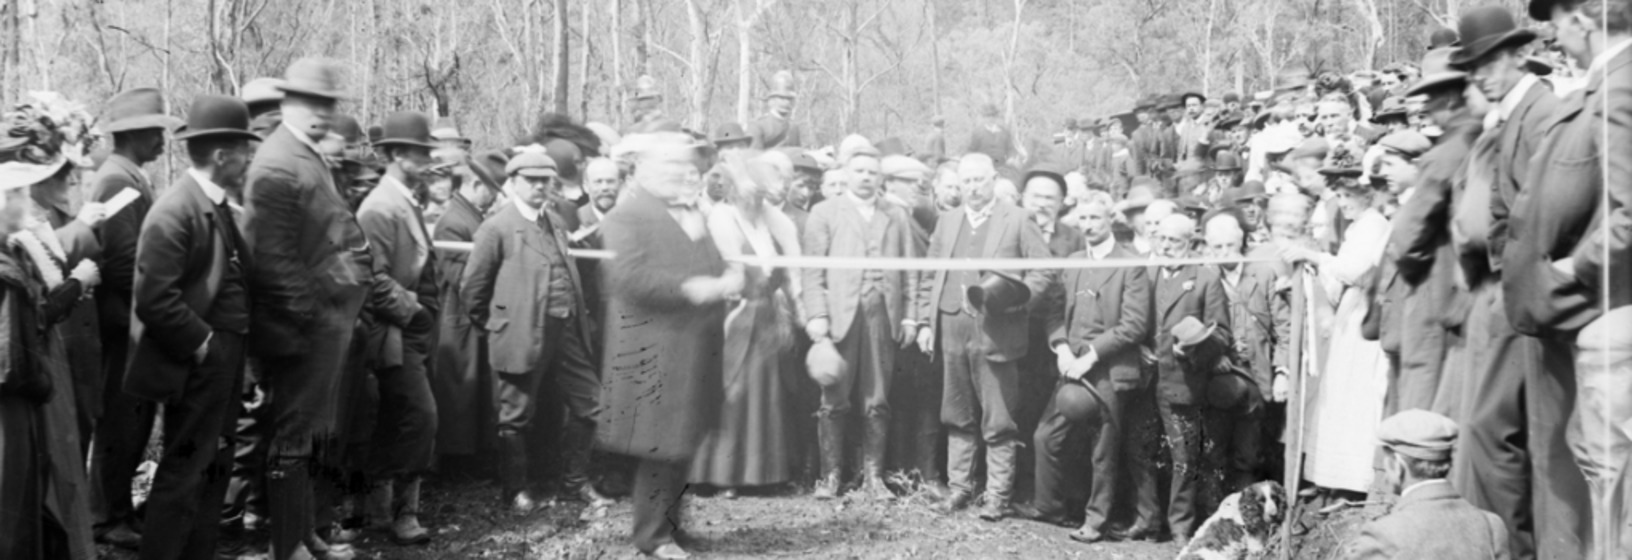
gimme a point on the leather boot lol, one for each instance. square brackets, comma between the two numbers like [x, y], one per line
[579, 438]
[830, 435]
[927, 445]
[377, 507]
[513, 473]
[405, 530]
[290, 503]
[872, 470]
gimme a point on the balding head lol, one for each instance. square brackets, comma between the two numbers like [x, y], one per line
[1173, 235]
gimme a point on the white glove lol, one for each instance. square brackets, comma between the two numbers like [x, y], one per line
[87, 273]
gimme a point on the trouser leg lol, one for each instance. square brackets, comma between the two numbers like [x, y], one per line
[574, 376]
[998, 387]
[960, 411]
[1559, 491]
[1054, 441]
[874, 364]
[404, 441]
[121, 438]
[1141, 446]
[1599, 428]
[1181, 425]
[290, 501]
[1106, 458]
[195, 465]
[244, 491]
[1492, 464]
[658, 493]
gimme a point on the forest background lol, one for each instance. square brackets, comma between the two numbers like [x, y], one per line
[879, 67]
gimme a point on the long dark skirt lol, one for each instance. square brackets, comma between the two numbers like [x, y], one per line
[751, 447]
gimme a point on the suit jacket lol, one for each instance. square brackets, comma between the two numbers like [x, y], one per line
[1558, 214]
[587, 218]
[1012, 235]
[118, 237]
[1255, 334]
[182, 244]
[404, 268]
[656, 338]
[770, 131]
[1107, 309]
[1192, 291]
[1432, 522]
[1520, 137]
[837, 229]
[507, 287]
[310, 259]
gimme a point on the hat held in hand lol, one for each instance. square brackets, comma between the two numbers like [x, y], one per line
[998, 292]
[825, 365]
[1078, 403]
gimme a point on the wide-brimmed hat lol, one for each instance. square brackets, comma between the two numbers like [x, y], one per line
[40, 136]
[407, 128]
[313, 77]
[998, 292]
[217, 116]
[1046, 168]
[1229, 120]
[730, 133]
[1249, 191]
[489, 168]
[1185, 97]
[1437, 73]
[1485, 29]
[137, 109]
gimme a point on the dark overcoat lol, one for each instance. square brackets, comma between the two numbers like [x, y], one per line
[460, 381]
[1191, 291]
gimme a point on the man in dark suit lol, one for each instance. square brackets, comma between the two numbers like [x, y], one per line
[523, 288]
[1566, 260]
[1236, 435]
[668, 287]
[1094, 336]
[138, 123]
[1178, 292]
[1043, 195]
[603, 181]
[310, 273]
[1516, 418]
[1417, 446]
[403, 306]
[980, 348]
[192, 298]
[862, 312]
[463, 391]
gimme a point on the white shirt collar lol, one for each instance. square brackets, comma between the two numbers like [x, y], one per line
[212, 191]
[977, 217]
[528, 212]
[304, 139]
[866, 206]
[1599, 62]
[395, 184]
[1104, 248]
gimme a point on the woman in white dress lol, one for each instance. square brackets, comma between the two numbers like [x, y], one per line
[1347, 402]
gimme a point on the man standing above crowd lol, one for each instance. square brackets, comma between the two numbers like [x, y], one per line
[310, 271]
[980, 348]
[1095, 338]
[1566, 258]
[991, 137]
[404, 305]
[775, 128]
[863, 312]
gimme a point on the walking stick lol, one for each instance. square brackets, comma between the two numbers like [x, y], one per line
[1301, 315]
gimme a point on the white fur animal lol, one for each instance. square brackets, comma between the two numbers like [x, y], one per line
[1242, 527]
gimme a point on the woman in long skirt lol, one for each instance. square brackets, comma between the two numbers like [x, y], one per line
[750, 447]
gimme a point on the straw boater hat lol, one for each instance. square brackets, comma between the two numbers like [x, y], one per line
[137, 109]
[39, 137]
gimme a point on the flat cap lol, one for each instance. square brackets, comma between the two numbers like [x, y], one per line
[1419, 434]
[531, 163]
[904, 167]
[1408, 143]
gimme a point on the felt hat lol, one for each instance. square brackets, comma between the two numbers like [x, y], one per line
[137, 109]
[782, 85]
[313, 77]
[1419, 434]
[217, 116]
[1260, 120]
[1485, 29]
[1232, 97]
[1537, 65]
[802, 160]
[1542, 10]
[1079, 403]
[1231, 390]
[1408, 143]
[1437, 73]
[1229, 120]
[1190, 331]
[489, 167]
[1140, 195]
[904, 167]
[998, 292]
[448, 133]
[1313, 146]
[531, 163]
[375, 133]
[407, 128]
[855, 145]
[825, 364]
[1442, 38]
[1393, 108]
[646, 88]
[1342, 161]
[730, 133]
[261, 92]
[1171, 101]
[1193, 206]
[1185, 97]
[1226, 160]
[1249, 191]
[1045, 168]
[348, 127]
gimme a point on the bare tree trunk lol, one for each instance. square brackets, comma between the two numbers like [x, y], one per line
[169, 11]
[615, 32]
[699, 84]
[745, 59]
[11, 74]
[643, 49]
[583, 66]
[1374, 28]
[935, 54]
[563, 59]
[1207, 49]
[1009, 88]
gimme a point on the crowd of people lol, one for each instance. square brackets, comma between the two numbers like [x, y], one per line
[1398, 285]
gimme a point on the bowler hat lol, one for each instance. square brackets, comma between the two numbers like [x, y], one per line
[489, 168]
[825, 364]
[1079, 403]
[348, 127]
[730, 133]
[1226, 160]
[782, 85]
[138, 109]
[1443, 37]
[1045, 168]
[1250, 191]
[407, 128]
[531, 163]
[1542, 10]
[217, 116]
[313, 77]
[1437, 73]
[1485, 29]
[1185, 97]
[998, 292]
[1419, 434]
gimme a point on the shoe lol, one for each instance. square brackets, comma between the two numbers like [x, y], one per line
[669, 551]
[122, 536]
[956, 502]
[524, 503]
[323, 550]
[339, 535]
[589, 495]
[995, 510]
[1139, 531]
[406, 531]
[1028, 512]
[1087, 534]
[872, 458]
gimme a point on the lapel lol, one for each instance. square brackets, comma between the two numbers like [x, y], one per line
[1172, 289]
[213, 226]
[406, 206]
[997, 226]
[961, 217]
[531, 233]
